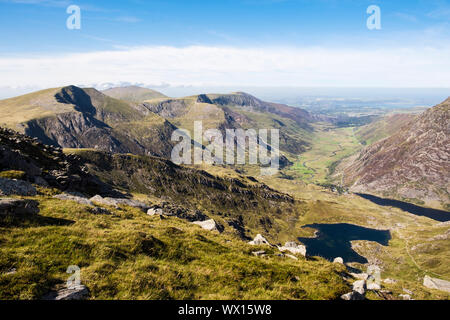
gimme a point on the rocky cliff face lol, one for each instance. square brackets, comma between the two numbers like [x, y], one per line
[86, 118]
[250, 102]
[46, 165]
[413, 163]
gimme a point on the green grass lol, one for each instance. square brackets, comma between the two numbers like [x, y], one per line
[12, 174]
[129, 255]
[328, 146]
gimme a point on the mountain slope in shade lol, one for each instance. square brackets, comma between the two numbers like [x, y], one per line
[413, 163]
[71, 117]
[133, 94]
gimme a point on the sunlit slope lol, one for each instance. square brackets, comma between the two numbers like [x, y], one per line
[412, 164]
[72, 117]
[133, 94]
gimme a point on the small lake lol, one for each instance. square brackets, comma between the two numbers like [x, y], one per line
[435, 214]
[333, 240]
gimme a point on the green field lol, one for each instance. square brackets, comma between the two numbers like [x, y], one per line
[328, 146]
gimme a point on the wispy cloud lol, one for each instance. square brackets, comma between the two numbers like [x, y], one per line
[207, 65]
[406, 16]
[128, 19]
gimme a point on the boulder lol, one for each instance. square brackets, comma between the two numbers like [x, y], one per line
[353, 296]
[78, 292]
[115, 202]
[405, 296]
[293, 248]
[259, 240]
[438, 284]
[155, 211]
[209, 225]
[18, 207]
[16, 187]
[291, 256]
[360, 286]
[78, 199]
[338, 260]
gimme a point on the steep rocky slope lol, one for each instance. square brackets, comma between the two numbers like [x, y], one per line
[413, 163]
[238, 110]
[71, 117]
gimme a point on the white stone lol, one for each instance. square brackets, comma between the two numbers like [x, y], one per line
[154, 211]
[209, 225]
[259, 240]
[438, 284]
[360, 286]
[338, 260]
[293, 248]
[373, 286]
[360, 276]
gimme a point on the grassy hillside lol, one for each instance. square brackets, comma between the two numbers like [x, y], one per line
[129, 255]
[133, 94]
[382, 128]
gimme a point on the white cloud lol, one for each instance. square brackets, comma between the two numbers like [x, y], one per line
[206, 65]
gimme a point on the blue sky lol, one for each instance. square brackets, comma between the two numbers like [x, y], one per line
[40, 24]
[332, 30]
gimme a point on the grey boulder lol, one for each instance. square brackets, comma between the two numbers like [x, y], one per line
[18, 207]
[16, 187]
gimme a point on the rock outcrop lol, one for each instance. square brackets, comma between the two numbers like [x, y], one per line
[18, 207]
[293, 248]
[78, 199]
[16, 187]
[115, 202]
